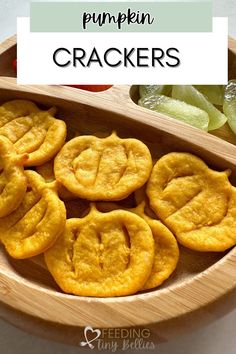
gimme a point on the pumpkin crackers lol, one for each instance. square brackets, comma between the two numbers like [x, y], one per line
[166, 254]
[119, 251]
[107, 254]
[103, 169]
[32, 130]
[196, 203]
[31, 219]
[37, 222]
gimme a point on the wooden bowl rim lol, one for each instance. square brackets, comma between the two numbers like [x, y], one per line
[155, 306]
[8, 43]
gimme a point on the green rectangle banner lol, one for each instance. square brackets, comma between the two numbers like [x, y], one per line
[158, 16]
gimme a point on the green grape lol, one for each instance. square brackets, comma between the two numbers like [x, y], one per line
[147, 90]
[192, 96]
[214, 93]
[229, 106]
[176, 109]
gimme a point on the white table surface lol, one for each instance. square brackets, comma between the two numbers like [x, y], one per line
[217, 338]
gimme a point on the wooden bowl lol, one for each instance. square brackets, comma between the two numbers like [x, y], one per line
[200, 278]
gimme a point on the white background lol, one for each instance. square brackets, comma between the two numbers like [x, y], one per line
[218, 338]
[207, 52]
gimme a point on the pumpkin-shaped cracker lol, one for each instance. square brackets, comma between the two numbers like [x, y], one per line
[214, 237]
[196, 203]
[47, 172]
[37, 222]
[102, 254]
[103, 169]
[166, 254]
[32, 130]
[12, 178]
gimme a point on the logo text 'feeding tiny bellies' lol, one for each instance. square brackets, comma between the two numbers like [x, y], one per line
[114, 339]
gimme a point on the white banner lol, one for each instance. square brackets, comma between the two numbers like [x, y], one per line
[122, 58]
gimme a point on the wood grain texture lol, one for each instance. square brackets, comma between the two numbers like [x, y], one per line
[194, 291]
[7, 55]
